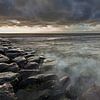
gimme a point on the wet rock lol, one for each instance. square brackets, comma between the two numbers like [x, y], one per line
[46, 77]
[13, 53]
[5, 42]
[6, 92]
[29, 55]
[46, 94]
[30, 50]
[21, 61]
[3, 59]
[43, 87]
[92, 93]
[33, 51]
[36, 59]
[59, 91]
[7, 77]
[25, 73]
[2, 51]
[81, 84]
[48, 66]
[13, 67]
[42, 81]
[31, 65]
[32, 95]
[64, 82]
[32, 58]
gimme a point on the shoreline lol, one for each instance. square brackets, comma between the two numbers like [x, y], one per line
[11, 35]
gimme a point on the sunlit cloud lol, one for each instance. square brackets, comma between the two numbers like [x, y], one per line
[51, 28]
[27, 29]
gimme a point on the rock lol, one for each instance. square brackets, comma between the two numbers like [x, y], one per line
[81, 84]
[46, 77]
[7, 77]
[3, 59]
[25, 73]
[2, 51]
[92, 93]
[13, 53]
[59, 91]
[13, 67]
[5, 42]
[29, 55]
[46, 94]
[21, 61]
[32, 95]
[6, 92]
[30, 50]
[64, 82]
[48, 66]
[42, 81]
[43, 87]
[31, 65]
[36, 59]
[33, 51]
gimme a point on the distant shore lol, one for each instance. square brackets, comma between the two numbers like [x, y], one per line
[11, 35]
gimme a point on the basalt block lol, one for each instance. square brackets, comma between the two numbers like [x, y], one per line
[13, 67]
[3, 59]
[21, 61]
[13, 53]
[6, 92]
[37, 82]
[7, 77]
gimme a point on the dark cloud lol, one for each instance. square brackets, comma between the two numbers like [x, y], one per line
[53, 10]
[5, 7]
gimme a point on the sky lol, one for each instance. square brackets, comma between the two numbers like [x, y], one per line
[73, 15]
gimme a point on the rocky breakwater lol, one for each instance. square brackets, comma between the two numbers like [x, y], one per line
[24, 76]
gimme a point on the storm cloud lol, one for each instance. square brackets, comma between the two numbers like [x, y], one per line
[52, 10]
